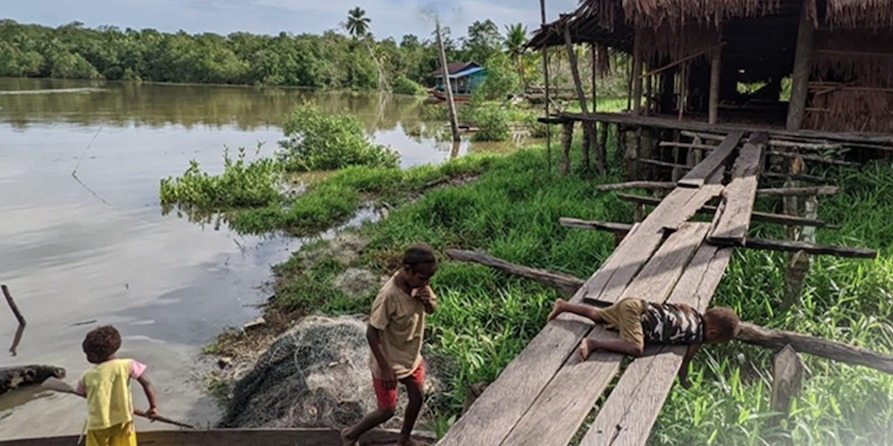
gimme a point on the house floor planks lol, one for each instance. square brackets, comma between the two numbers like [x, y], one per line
[556, 414]
[632, 408]
[740, 194]
[492, 416]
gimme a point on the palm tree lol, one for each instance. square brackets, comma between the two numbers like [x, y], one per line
[357, 23]
[515, 42]
[358, 26]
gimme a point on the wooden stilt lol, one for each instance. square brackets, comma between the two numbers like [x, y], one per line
[800, 77]
[567, 137]
[787, 381]
[637, 73]
[715, 70]
[548, 98]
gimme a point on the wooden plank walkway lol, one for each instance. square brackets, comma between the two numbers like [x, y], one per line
[545, 394]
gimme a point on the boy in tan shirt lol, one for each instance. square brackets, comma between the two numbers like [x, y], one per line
[395, 334]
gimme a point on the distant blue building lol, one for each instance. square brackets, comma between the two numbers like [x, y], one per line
[465, 78]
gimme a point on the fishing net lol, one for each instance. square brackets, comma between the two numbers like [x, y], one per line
[315, 375]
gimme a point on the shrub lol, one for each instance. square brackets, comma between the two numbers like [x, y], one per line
[492, 122]
[501, 80]
[242, 184]
[317, 141]
[405, 85]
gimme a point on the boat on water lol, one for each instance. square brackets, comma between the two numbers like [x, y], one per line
[237, 437]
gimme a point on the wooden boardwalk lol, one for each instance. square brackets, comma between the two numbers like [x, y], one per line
[544, 396]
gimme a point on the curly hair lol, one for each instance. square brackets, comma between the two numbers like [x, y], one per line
[418, 254]
[102, 343]
[725, 320]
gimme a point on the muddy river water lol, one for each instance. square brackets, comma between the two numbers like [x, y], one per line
[94, 248]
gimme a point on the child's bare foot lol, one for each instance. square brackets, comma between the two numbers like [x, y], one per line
[346, 440]
[556, 310]
[585, 349]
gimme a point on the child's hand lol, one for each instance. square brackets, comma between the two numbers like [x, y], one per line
[152, 412]
[424, 293]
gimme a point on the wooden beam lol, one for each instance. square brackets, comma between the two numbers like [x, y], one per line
[616, 228]
[636, 185]
[800, 77]
[575, 70]
[629, 413]
[696, 176]
[756, 216]
[798, 176]
[778, 339]
[798, 191]
[741, 194]
[662, 163]
[808, 248]
[578, 385]
[876, 141]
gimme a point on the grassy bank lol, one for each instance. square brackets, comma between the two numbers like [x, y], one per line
[512, 210]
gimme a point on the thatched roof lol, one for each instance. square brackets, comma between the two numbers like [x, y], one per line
[608, 22]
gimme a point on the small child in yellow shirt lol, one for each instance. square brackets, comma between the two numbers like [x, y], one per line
[107, 389]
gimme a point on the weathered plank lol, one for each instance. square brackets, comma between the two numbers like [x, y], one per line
[787, 377]
[556, 414]
[634, 404]
[741, 194]
[699, 174]
[755, 216]
[492, 416]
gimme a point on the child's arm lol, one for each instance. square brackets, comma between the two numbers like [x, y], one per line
[150, 395]
[683, 371]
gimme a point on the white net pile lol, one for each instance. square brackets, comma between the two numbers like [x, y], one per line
[315, 375]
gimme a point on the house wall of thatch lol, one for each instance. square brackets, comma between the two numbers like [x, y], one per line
[851, 86]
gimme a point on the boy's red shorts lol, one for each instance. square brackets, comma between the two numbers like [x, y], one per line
[387, 398]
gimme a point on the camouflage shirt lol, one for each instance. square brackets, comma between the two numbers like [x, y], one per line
[672, 324]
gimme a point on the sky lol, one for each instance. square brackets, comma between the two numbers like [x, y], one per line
[390, 18]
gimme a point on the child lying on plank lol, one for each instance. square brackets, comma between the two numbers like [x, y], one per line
[639, 321]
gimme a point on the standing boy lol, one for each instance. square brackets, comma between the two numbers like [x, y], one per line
[107, 389]
[395, 334]
[640, 322]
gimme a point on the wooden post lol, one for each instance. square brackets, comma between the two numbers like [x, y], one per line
[454, 123]
[637, 73]
[578, 86]
[603, 148]
[548, 99]
[715, 70]
[596, 143]
[800, 77]
[567, 137]
[787, 380]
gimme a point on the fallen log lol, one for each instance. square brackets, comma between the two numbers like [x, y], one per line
[565, 282]
[750, 333]
[12, 378]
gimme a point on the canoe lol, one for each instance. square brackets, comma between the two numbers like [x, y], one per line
[239, 437]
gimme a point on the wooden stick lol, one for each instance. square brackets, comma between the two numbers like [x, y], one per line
[636, 185]
[756, 216]
[809, 248]
[13, 306]
[617, 228]
[799, 176]
[768, 192]
[683, 60]
[565, 282]
[749, 333]
[63, 387]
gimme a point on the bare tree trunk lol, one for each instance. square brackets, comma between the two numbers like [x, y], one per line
[454, 123]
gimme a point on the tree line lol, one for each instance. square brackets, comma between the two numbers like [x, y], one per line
[355, 60]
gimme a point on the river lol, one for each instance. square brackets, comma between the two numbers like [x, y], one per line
[93, 248]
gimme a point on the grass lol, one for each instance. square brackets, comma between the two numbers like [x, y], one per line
[512, 211]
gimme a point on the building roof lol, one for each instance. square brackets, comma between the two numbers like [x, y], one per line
[455, 68]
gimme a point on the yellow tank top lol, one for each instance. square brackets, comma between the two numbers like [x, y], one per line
[109, 402]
